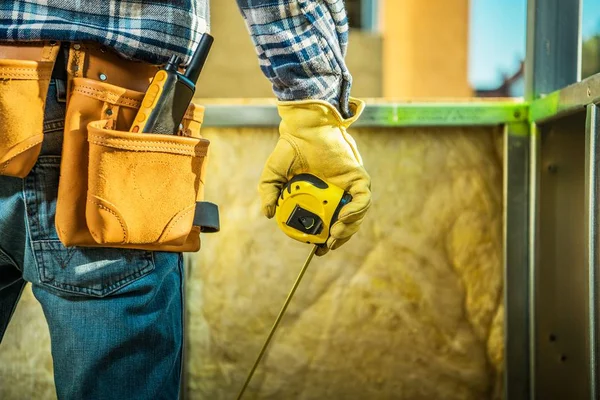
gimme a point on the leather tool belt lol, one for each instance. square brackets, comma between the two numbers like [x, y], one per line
[117, 188]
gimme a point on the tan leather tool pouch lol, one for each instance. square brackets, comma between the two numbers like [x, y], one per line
[25, 72]
[142, 189]
[122, 189]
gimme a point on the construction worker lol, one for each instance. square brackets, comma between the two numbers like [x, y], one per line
[115, 314]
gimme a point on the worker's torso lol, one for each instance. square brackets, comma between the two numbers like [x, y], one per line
[151, 30]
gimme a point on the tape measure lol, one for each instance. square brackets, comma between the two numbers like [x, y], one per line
[308, 207]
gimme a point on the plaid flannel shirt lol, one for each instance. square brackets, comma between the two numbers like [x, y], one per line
[301, 44]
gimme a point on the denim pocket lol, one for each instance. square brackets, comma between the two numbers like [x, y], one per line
[90, 271]
[78, 270]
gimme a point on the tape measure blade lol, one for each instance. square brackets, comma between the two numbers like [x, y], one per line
[278, 319]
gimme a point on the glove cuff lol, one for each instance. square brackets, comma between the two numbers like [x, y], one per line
[315, 113]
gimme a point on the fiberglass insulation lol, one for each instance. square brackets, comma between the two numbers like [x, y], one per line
[410, 308]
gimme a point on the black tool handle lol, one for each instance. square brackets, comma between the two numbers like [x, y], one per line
[177, 91]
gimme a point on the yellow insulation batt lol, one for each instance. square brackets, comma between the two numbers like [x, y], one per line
[410, 308]
[25, 361]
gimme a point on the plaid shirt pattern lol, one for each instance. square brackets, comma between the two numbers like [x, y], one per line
[301, 44]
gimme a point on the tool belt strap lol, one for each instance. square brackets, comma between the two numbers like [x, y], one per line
[207, 217]
[94, 61]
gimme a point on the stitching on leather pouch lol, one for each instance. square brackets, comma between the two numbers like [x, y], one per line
[31, 75]
[158, 142]
[177, 220]
[140, 145]
[27, 69]
[185, 152]
[133, 103]
[124, 100]
[5, 165]
[182, 152]
[115, 214]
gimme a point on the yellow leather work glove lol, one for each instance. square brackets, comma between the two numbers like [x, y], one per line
[313, 139]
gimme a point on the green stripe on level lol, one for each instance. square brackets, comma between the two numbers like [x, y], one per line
[443, 114]
[545, 107]
[383, 115]
[571, 99]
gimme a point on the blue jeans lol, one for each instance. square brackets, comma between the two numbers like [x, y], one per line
[115, 316]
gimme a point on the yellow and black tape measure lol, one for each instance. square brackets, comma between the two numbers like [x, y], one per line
[308, 207]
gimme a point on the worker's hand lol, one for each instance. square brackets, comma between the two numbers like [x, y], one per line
[313, 139]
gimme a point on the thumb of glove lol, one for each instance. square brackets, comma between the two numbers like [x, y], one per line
[275, 175]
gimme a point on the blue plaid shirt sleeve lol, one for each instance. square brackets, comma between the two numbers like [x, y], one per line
[301, 46]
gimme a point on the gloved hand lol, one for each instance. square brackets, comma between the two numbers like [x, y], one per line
[313, 139]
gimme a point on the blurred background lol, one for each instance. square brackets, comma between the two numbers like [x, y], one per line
[407, 49]
[412, 307]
